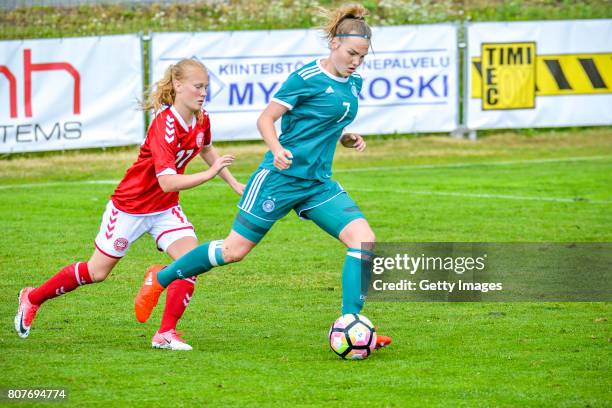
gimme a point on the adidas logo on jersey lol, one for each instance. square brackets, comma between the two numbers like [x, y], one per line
[329, 90]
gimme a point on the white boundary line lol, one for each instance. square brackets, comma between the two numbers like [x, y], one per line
[476, 164]
[78, 183]
[480, 195]
[396, 168]
[58, 184]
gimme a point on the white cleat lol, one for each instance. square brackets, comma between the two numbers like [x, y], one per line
[170, 340]
[26, 312]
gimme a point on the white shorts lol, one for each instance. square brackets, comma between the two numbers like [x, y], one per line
[119, 230]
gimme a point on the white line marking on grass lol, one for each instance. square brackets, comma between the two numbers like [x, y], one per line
[78, 183]
[475, 164]
[482, 195]
[59, 184]
[353, 170]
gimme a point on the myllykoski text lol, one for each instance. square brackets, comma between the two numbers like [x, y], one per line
[413, 264]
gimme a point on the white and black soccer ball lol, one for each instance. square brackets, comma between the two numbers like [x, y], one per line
[352, 337]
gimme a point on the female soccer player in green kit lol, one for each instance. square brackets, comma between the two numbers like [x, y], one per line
[316, 103]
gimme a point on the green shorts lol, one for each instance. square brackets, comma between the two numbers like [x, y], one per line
[270, 195]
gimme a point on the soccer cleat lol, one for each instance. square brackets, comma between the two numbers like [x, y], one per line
[382, 341]
[148, 295]
[26, 312]
[169, 340]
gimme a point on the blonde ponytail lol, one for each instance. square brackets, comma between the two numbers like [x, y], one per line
[162, 93]
[347, 20]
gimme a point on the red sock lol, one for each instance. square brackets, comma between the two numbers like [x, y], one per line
[178, 295]
[66, 280]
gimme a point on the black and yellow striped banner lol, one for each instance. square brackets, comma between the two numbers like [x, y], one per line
[514, 74]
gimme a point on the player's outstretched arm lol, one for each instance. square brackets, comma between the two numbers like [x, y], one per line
[179, 182]
[210, 156]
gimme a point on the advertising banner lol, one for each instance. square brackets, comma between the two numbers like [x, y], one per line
[70, 93]
[539, 74]
[410, 75]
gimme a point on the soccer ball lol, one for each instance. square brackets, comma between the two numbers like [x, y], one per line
[352, 336]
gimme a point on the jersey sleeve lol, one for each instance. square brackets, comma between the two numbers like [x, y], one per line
[207, 134]
[163, 144]
[293, 91]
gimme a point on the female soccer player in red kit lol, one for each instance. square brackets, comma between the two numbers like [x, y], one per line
[146, 200]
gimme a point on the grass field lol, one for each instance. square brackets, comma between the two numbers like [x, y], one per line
[259, 328]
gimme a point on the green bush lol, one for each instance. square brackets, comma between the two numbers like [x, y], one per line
[84, 20]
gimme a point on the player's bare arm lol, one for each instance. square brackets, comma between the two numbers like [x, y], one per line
[210, 155]
[282, 157]
[179, 182]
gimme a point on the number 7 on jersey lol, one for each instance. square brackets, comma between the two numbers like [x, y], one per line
[348, 107]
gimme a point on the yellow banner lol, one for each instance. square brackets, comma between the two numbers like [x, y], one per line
[562, 74]
[508, 72]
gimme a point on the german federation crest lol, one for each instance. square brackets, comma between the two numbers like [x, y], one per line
[268, 205]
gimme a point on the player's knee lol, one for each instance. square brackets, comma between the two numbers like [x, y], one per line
[368, 237]
[236, 247]
[233, 254]
[97, 273]
[363, 238]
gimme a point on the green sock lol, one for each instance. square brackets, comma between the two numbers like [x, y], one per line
[355, 279]
[199, 260]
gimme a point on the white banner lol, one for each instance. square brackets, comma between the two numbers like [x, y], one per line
[539, 74]
[410, 79]
[70, 93]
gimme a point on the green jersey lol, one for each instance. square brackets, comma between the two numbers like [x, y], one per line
[320, 106]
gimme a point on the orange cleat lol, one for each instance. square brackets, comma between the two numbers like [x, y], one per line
[148, 295]
[382, 341]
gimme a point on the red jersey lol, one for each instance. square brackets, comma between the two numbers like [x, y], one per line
[170, 144]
